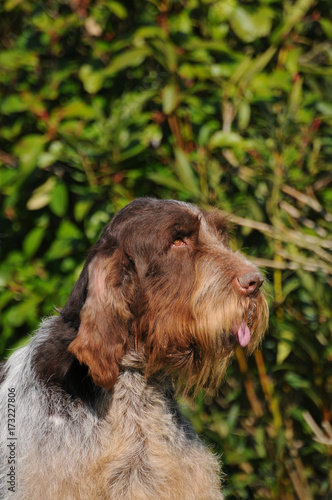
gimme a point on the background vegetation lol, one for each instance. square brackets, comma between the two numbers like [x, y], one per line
[222, 102]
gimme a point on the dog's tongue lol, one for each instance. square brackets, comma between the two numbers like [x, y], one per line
[242, 334]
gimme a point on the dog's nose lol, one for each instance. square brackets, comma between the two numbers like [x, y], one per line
[250, 282]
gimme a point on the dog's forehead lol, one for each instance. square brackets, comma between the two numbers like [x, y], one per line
[154, 215]
[166, 220]
[156, 220]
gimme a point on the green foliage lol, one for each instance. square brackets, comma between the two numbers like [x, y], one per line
[219, 102]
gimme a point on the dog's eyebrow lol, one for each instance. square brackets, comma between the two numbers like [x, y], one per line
[187, 223]
[218, 220]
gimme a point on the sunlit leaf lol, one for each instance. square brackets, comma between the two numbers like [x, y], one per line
[225, 139]
[91, 79]
[170, 98]
[118, 9]
[42, 195]
[249, 26]
[133, 57]
[28, 149]
[77, 109]
[285, 346]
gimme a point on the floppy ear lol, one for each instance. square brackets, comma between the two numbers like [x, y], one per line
[103, 330]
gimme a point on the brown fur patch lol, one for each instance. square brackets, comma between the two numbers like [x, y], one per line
[103, 331]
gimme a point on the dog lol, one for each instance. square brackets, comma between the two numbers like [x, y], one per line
[89, 404]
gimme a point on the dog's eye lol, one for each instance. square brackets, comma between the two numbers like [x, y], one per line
[178, 242]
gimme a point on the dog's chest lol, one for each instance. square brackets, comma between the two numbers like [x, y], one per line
[149, 451]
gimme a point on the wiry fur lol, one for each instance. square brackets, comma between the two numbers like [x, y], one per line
[158, 301]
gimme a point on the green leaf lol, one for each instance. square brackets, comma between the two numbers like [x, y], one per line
[29, 149]
[327, 27]
[248, 26]
[16, 59]
[11, 4]
[133, 57]
[68, 230]
[222, 139]
[59, 199]
[145, 32]
[42, 195]
[293, 14]
[77, 109]
[206, 131]
[165, 179]
[33, 241]
[325, 108]
[285, 346]
[20, 313]
[95, 223]
[170, 98]
[59, 249]
[221, 10]
[244, 115]
[13, 104]
[64, 244]
[118, 9]
[92, 79]
[186, 173]
[82, 208]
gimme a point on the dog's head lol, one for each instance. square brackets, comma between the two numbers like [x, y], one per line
[163, 281]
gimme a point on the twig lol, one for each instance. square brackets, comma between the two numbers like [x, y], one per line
[267, 387]
[307, 264]
[300, 239]
[302, 492]
[250, 390]
[306, 200]
[175, 129]
[273, 264]
[296, 214]
[319, 434]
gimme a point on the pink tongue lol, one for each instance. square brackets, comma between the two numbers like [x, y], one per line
[243, 334]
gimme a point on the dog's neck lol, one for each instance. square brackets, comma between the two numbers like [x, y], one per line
[143, 420]
[146, 407]
[134, 360]
[134, 381]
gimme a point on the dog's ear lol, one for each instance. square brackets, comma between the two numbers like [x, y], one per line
[104, 317]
